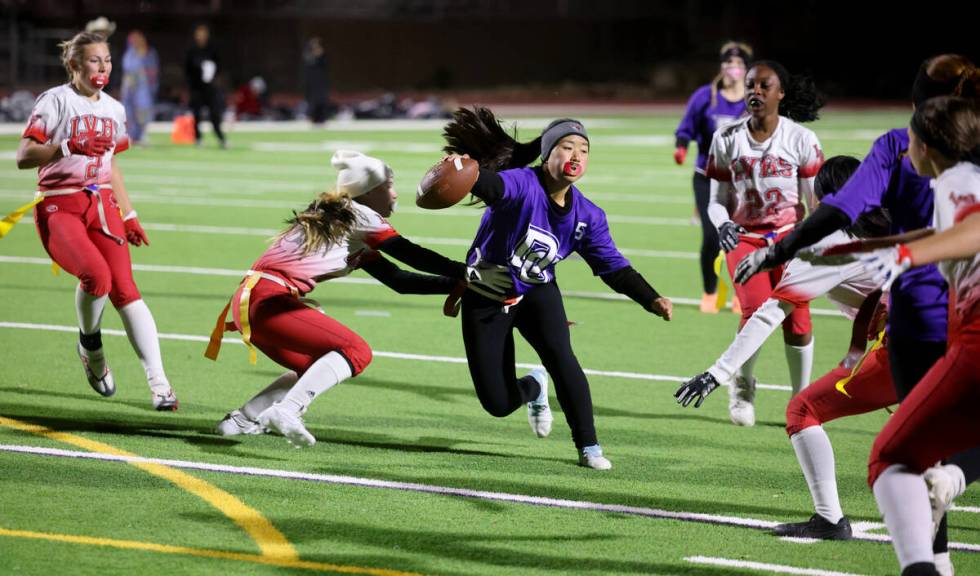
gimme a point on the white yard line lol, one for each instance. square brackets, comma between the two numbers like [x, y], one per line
[377, 353]
[371, 281]
[716, 519]
[763, 566]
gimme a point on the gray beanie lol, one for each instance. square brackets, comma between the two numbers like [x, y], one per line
[558, 130]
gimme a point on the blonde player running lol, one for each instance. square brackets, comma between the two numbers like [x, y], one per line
[83, 214]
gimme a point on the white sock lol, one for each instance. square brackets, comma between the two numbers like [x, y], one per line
[944, 564]
[747, 370]
[816, 458]
[800, 360]
[323, 375]
[904, 504]
[745, 347]
[269, 395]
[89, 309]
[142, 333]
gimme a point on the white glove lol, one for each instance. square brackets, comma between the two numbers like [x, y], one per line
[887, 264]
[496, 278]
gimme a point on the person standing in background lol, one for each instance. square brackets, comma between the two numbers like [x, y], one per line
[315, 81]
[201, 68]
[712, 106]
[141, 78]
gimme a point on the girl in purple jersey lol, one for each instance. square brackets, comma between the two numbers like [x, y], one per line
[712, 106]
[917, 322]
[535, 217]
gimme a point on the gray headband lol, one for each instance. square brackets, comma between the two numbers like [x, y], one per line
[558, 130]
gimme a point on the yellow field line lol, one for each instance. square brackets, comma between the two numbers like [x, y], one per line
[204, 553]
[270, 540]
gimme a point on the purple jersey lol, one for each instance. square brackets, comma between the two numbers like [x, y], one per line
[528, 234]
[886, 178]
[701, 120]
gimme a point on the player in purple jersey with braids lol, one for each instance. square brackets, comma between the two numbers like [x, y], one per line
[917, 322]
[534, 219]
[712, 106]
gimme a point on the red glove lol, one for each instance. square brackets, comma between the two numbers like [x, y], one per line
[134, 232]
[680, 154]
[86, 144]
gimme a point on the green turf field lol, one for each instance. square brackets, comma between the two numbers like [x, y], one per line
[689, 492]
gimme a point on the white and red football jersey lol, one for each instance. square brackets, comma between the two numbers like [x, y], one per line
[286, 257]
[767, 183]
[61, 113]
[957, 196]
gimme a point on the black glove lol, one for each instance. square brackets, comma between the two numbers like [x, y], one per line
[728, 235]
[698, 387]
[754, 262]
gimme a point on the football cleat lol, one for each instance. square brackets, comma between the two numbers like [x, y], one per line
[741, 396]
[591, 457]
[538, 411]
[236, 423]
[942, 491]
[165, 401]
[94, 362]
[289, 424]
[816, 527]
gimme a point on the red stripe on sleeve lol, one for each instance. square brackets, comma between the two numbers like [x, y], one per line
[121, 145]
[965, 211]
[376, 238]
[811, 169]
[36, 130]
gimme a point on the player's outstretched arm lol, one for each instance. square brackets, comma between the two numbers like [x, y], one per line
[631, 283]
[405, 282]
[421, 258]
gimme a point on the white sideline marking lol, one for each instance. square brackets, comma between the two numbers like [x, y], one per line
[763, 567]
[377, 353]
[716, 519]
[365, 281]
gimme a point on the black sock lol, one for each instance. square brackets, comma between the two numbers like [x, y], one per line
[920, 569]
[941, 543]
[91, 342]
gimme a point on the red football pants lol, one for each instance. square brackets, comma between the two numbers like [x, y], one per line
[295, 335]
[72, 235]
[941, 416]
[869, 389]
[758, 289]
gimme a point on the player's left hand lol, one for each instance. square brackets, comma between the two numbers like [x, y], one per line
[696, 389]
[134, 232]
[887, 264]
[753, 263]
[663, 307]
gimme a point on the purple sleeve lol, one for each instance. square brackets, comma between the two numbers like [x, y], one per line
[515, 186]
[868, 185]
[597, 247]
[688, 128]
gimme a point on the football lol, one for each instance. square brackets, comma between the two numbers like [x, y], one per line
[447, 183]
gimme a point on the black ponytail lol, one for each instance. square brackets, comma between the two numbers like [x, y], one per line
[801, 100]
[478, 133]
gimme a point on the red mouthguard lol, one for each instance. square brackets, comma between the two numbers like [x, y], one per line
[571, 169]
[99, 80]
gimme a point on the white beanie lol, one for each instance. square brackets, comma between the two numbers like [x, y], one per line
[357, 173]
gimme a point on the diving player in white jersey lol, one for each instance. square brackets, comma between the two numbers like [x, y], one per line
[336, 234]
[83, 214]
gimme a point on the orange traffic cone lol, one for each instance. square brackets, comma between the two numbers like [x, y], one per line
[183, 132]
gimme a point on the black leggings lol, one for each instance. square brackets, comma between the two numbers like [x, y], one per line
[489, 340]
[208, 98]
[709, 235]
